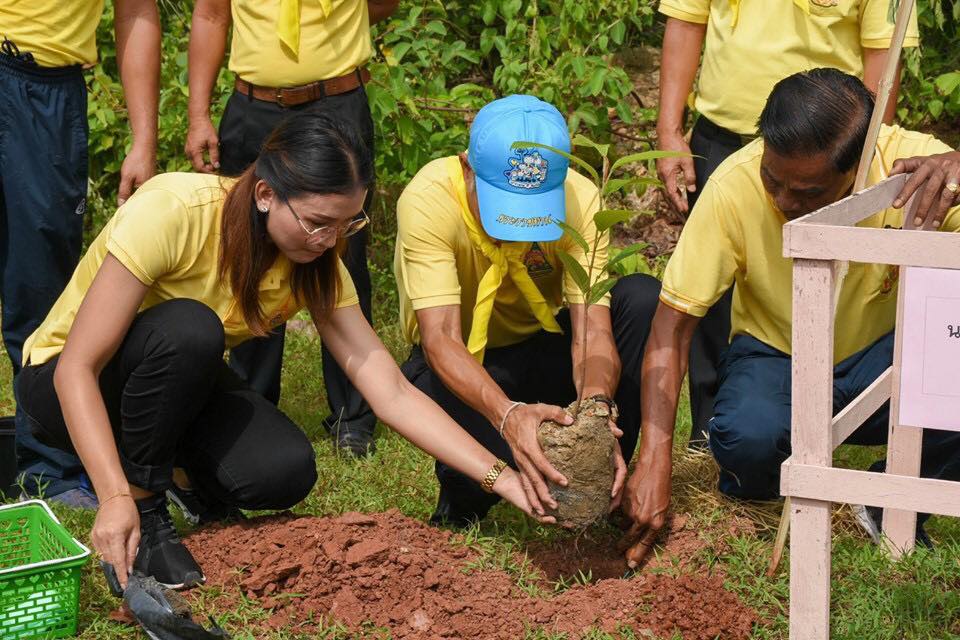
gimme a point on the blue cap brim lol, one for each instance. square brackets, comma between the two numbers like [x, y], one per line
[521, 217]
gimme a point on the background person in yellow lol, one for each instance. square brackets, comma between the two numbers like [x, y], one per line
[128, 370]
[43, 173]
[481, 299]
[813, 130]
[288, 56]
[748, 46]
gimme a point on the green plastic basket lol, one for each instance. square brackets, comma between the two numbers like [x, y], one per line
[40, 565]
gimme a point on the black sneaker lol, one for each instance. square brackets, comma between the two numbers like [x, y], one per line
[451, 512]
[351, 437]
[161, 555]
[199, 508]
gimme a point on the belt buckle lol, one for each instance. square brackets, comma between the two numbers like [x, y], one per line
[278, 94]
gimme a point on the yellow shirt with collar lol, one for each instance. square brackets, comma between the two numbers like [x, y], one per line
[735, 234]
[168, 236]
[773, 39]
[436, 264]
[56, 32]
[330, 46]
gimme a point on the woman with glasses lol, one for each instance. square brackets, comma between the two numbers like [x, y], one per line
[127, 370]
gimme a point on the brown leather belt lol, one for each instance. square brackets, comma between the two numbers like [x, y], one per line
[293, 96]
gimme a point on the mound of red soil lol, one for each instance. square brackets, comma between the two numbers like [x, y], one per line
[398, 573]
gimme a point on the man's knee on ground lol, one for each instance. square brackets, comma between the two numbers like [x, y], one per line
[750, 450]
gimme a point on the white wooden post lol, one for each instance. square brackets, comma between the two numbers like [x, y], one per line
[811, 438]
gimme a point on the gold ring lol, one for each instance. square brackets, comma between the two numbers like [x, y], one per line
[953, 187]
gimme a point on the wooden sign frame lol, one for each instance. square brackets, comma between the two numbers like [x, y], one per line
[817, 243]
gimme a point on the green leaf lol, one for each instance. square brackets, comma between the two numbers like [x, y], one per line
[595, 83]
[572, 158]
[633, 249]
[581, 140]
[618, 31]
[576, 271]
[623, 184]
[935, 107]
[609, 217]
[573, 233]
[948, 82]
[600, 289]
[644, 156]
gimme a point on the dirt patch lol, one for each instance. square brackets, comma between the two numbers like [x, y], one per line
[401, 574]
[583, 452]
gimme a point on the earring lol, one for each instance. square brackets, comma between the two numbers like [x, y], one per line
[263, 208]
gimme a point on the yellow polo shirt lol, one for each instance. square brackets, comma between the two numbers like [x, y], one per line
[752, 44]
[735, 234]
[56, 32]
[330, 46]
[436, 264]
[168, 236]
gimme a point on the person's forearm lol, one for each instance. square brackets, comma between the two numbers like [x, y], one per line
[89, 427]
[415, 417]
[682, 42]
[661, 378]
[466, 378]
[380, 10]
[874, 62]
[601, 375]
[137, 28]
[208, 43]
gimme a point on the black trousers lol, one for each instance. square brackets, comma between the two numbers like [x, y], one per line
[43, 191]
[173, 401]
[710, 145]
[245, 125]
[540, 369]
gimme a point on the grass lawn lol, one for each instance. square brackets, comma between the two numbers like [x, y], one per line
[872, 598]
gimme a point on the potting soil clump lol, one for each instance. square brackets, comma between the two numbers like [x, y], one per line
[584, 453]
[397, 573]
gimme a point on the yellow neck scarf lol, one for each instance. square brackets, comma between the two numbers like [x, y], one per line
[504, 259]
[288, 24]
[803, 5]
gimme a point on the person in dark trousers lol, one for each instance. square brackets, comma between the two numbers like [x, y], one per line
[46, 45]
[128, 371]
[813, 129]
[482, 288]
[287, 56]
[747, 47]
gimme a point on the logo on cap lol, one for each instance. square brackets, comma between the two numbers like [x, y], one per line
[528, 170]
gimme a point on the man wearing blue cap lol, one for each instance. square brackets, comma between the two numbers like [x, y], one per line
[482, 291]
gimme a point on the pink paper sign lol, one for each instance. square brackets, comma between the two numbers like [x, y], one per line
[930, 361]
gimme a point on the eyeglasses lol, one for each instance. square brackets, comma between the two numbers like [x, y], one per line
[344, 230]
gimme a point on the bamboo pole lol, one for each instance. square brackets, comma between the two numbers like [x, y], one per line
[841, 268]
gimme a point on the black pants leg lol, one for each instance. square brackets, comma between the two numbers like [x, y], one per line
[245, 125]
[540, 369]
[712, 335]
[43, 189]
[171, 399]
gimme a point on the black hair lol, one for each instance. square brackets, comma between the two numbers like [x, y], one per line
[307, 154]
[312, 153]
[818, 111]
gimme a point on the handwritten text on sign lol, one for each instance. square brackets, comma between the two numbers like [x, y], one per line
[930, 367]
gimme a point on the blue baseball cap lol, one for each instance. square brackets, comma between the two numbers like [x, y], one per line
[520, 191]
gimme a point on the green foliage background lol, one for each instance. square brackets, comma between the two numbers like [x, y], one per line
[437, 61]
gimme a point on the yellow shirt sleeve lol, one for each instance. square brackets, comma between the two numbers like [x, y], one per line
[582, 203]
[150, 234]
[425, 243]
[696, 11]
[876, 26]
[707, 257]
[348, 292]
